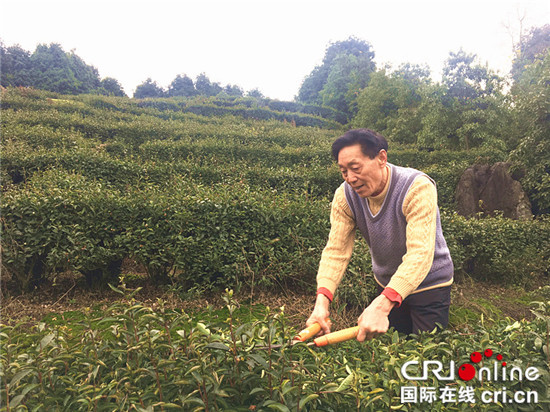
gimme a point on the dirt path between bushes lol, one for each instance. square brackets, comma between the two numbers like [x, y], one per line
[67, 295]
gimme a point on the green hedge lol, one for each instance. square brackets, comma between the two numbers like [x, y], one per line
[262, 114]
[208, 236]
[498, 249]
[296, 170]
[129, 356]
[220, 234]
[226, 197]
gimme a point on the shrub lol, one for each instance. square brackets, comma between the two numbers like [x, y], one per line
[59, 222]
[210, 201]
[498, 249]
[131, 357]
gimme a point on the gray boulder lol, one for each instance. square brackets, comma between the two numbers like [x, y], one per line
[491, 189]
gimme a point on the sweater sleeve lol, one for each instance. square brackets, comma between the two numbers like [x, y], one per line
[338, 250]
[420, 210]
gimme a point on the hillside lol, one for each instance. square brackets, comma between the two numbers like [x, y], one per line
[236, 195]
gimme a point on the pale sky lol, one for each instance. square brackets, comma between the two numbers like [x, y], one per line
[264, 44]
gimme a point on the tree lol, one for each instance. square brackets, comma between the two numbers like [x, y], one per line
[111, 87]
[414, 74]
[148, 88]
[532, 46]
[347, 77]
[87, 77]
[468, 110]
[205, 87]
[52, 70]
[233, 90]
[466, 80]
[182, 86]
[377, 103]
[389, 104]
[256, 93]
[531, 98]
[312, 85]
[345, 70]
[15, 66]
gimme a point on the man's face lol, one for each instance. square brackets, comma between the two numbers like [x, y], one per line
[365, 175]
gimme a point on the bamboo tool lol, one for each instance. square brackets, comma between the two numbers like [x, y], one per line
[329, 339]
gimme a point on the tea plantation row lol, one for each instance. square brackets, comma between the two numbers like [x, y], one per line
[218, 234]
[132, 357]
[130, 145]
[208, 201]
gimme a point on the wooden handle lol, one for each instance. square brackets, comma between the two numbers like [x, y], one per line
[308, 332]
[336, 337]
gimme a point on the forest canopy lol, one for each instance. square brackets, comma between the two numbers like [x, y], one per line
[50, 68]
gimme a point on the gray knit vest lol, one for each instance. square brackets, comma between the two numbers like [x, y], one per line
[385, 233]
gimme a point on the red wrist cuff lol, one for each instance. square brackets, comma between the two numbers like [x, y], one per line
[392, 295]
[326, 292]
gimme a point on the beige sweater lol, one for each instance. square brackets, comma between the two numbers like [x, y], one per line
[420, 210]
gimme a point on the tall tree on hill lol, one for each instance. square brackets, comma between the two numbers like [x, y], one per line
[256, 93]
[233, 90]
[206, 88]
[467, 109]
[148, 88]
[15, 66]
[87, 76]
[531, 46]
[389, 104]
[182, 86]
[111, 87]
[345, 70]
[53, 69]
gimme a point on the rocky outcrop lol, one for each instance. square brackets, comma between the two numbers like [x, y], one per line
[491, 189]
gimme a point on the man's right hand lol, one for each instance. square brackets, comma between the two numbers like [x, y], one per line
[320, 314]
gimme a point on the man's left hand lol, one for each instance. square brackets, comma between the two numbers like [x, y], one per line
[374, 319]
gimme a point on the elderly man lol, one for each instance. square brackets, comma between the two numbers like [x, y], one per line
[395, 209]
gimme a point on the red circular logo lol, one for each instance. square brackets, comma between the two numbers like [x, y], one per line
[475, 357]
[466, 372]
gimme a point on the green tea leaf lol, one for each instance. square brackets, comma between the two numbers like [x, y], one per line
[257, 390]
[261, 361]
[46, 340]
[346, 383]
[308, 398]
[16, 400]
[18, 376]
[395, 337]
[278, 406]
[217, 345]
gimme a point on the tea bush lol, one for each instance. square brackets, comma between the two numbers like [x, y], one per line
[59, 222]
[205, 200]
[223, 234]
[207, 235]
[131, 357]
[498, 249]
